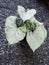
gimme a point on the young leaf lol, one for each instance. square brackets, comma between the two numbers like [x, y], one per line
[13, 34]
[36, 38]
[21, 11]
[29, 14]
[23, 28]
[26, 15]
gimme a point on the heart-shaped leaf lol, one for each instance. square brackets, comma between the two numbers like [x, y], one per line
[36, 38]
[26, 15]
[13, 34]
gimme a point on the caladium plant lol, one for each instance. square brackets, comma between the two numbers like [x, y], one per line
[32, 29]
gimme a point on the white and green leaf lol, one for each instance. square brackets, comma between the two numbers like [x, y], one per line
[21, 11]
[36, 38]
[26, 15]
[13, 34]
[29, 14]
